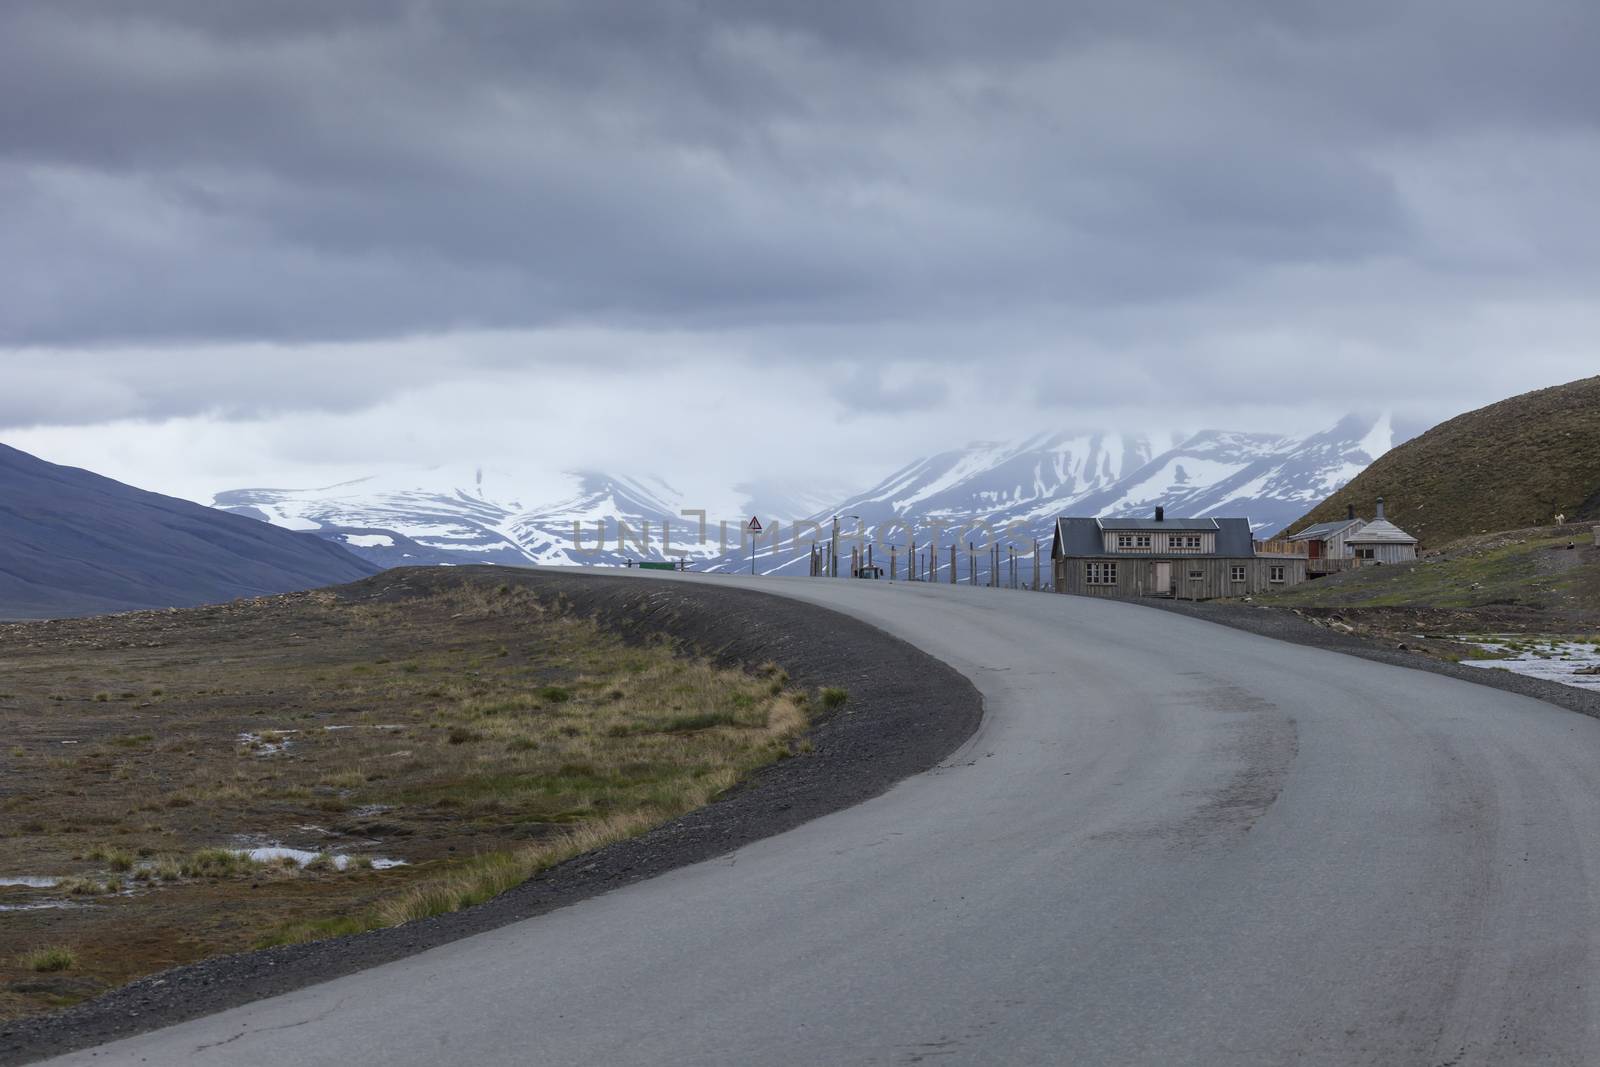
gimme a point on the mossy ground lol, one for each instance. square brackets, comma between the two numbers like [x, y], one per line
[1526, 581]
[471, 731]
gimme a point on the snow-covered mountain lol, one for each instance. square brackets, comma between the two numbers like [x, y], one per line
[477, 515]
[452, 515]
[1018, 490]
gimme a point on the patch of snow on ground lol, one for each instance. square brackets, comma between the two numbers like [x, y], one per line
[369, 540]
[254, 742]
[273, 853]
[1552, 659]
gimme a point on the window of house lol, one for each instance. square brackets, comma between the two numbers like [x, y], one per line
[1365, 553]
[1183, 542]
[1236, 573]
[1275, 573]
[1197, 576]
[1131, 541]
[1098, 573]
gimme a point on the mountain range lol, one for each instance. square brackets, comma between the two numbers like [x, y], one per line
[474, 514]
[458, 515]
[75, 543]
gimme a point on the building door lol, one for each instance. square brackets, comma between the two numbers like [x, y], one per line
[1161, 585]
[1316, 549]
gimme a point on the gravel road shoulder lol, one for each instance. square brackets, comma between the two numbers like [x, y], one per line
[1285, 625]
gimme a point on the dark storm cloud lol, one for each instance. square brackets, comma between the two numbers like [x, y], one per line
[200, 172]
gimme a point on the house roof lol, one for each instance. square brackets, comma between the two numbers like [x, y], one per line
[1082, 536]
[1380, 531]
[1323, 530]
[1152, 524]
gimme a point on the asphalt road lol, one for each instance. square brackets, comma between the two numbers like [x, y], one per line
[1170, 842]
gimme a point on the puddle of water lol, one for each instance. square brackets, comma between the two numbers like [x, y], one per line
[1553, 659]
[39, 905]
[31, 881]
[301, 856]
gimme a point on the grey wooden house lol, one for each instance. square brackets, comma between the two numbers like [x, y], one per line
[1190, 559]
[1353, 541]
[1381, 541]
[1325, 545]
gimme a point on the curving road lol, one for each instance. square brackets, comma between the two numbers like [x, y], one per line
[1169, 842]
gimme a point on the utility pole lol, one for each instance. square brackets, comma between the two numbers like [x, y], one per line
[955, 572]
[972, 563]
[1035, 564]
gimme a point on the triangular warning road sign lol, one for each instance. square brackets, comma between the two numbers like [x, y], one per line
[754, 525]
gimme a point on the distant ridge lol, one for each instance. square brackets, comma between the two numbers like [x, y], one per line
[1516, 463]
[75, 543]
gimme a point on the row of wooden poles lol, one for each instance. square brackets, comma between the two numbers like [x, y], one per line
[1004, 564]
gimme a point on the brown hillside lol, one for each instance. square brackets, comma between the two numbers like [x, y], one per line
[1516, 463]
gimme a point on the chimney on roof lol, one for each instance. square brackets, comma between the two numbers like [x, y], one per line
[1349, 512]
[1380, 509]
[1161, 513]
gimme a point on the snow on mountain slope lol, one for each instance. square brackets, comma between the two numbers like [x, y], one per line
[440, 515]
[450, 515]
[1018, 491]
[474, 515]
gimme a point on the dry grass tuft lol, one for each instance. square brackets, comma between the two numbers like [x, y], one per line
[49, 959]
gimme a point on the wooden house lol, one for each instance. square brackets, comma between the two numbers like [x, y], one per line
[1326, 545]
[1352, 542]
[1189, 559]
[1381, 541]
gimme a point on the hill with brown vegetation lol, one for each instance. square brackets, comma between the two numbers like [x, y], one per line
[75, 543]
[1517, 463]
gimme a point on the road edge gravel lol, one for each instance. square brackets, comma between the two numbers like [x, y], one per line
[906, 712]
[1284, 625]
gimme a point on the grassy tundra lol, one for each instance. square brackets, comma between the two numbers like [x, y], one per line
[467, 731]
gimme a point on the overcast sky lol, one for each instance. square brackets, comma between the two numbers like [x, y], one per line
[292, 242]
